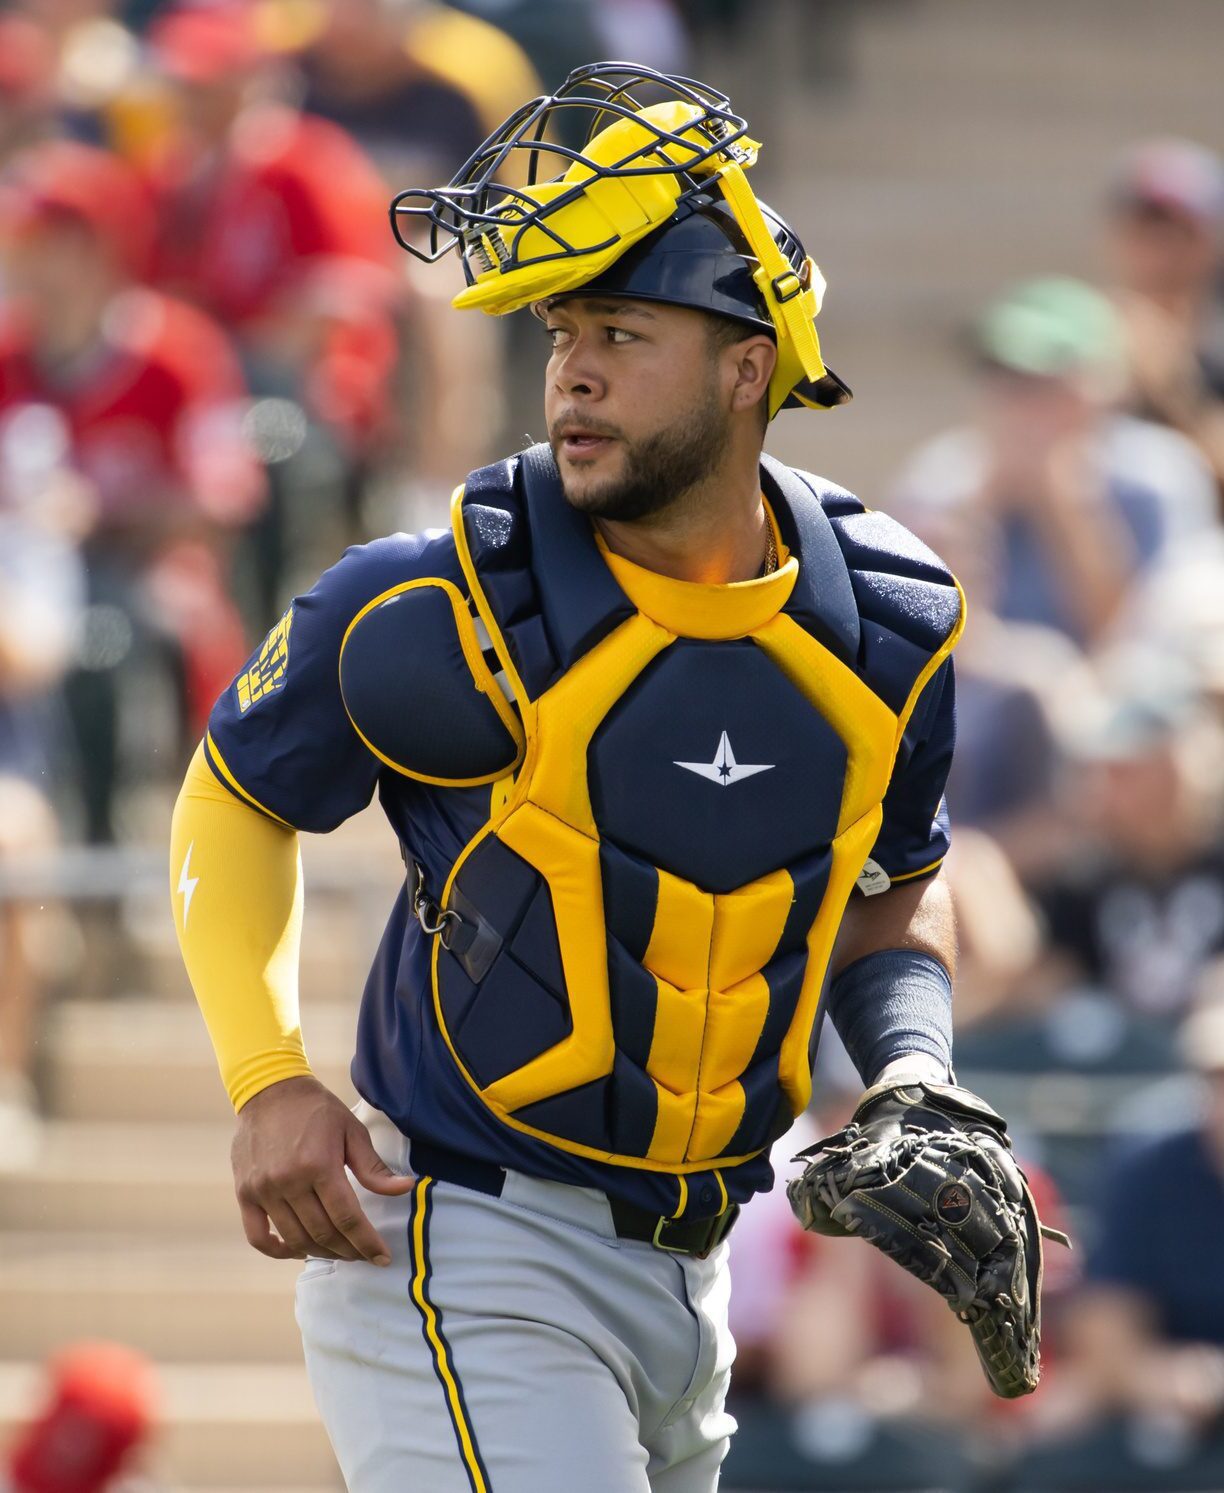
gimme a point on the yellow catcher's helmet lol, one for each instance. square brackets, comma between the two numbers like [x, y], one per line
[654, 205]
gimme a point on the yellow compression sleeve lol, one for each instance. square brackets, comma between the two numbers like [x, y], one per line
[236, 890]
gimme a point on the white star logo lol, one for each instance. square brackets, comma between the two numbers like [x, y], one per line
[725, 769]
[187, 884]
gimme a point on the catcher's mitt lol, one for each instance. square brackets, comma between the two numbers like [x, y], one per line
[925, 1172]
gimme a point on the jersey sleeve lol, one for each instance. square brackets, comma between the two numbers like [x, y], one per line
[914, 836]
[279, 737]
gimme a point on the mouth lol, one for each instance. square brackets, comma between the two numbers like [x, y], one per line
[579, 445]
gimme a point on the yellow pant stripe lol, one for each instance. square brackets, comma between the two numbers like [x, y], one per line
[431, 1326]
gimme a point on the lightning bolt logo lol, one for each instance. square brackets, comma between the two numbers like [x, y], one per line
[187, 884]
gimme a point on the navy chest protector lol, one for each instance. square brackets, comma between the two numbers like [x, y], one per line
[685, 791]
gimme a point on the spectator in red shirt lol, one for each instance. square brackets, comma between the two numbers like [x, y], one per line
[27, 82]
[274, 220]
[151, 398]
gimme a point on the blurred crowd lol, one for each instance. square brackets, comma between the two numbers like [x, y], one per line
[1079, 503]
[216, 370]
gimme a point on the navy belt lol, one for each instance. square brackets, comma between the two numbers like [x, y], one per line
[697, 1236]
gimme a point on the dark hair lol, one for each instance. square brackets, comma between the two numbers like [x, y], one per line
[726, 331]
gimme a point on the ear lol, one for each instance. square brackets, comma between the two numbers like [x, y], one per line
[755, 360]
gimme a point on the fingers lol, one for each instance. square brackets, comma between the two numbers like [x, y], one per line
[289, 1158]
[325, 1220]
[324, 1233]
[347, 1216]
[259, 1235]
[368, 1166]
[287, 1224]
[275, 1229]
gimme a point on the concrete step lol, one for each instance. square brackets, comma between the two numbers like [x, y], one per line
[150, 1059]
[165, 1181]
[224, 1426]
[179, 1303]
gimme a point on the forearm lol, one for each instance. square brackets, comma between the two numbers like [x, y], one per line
[236, 890]
[1114, 1345]
[890, 997]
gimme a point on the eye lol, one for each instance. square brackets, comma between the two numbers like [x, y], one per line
[556, 335]
[620, 335]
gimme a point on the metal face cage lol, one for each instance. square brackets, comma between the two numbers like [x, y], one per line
[487, 194]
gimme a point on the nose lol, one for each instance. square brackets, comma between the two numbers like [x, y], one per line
[576, 370]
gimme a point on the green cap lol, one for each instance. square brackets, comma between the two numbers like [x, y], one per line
[1052, 327]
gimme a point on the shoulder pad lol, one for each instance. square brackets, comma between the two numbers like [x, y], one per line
[418, 691]
[822, 602]
[495, 531]
[836, 501]
[908, 599]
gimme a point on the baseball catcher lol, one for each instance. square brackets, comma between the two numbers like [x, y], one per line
[661, 726]
[924, 1171]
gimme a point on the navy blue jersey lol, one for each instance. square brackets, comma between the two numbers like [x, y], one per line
[1160, 1223]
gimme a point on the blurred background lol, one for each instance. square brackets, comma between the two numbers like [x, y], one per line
[216, 372]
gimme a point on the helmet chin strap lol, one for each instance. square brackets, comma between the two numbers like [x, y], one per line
[793, 298]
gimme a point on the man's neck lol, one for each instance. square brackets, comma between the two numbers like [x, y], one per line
[715, 533]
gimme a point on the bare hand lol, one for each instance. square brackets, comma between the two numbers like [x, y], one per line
[293, 1142]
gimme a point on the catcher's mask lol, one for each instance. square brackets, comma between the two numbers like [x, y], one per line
[655, 206]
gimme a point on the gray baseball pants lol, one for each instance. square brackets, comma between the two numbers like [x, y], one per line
[516, 1345]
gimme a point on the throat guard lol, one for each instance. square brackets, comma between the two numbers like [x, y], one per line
[633, 946]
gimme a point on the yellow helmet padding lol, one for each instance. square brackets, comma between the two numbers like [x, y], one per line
[603, 219]
[601, 222]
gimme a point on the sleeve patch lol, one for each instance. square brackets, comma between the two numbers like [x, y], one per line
[267, 674]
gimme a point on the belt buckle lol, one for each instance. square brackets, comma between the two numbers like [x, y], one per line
[657, 1239]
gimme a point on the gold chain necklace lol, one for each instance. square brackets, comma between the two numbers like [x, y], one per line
[771, 550]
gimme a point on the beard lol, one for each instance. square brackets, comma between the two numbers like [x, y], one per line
[657, 470]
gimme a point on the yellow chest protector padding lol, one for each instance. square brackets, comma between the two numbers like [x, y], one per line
[643, 926]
